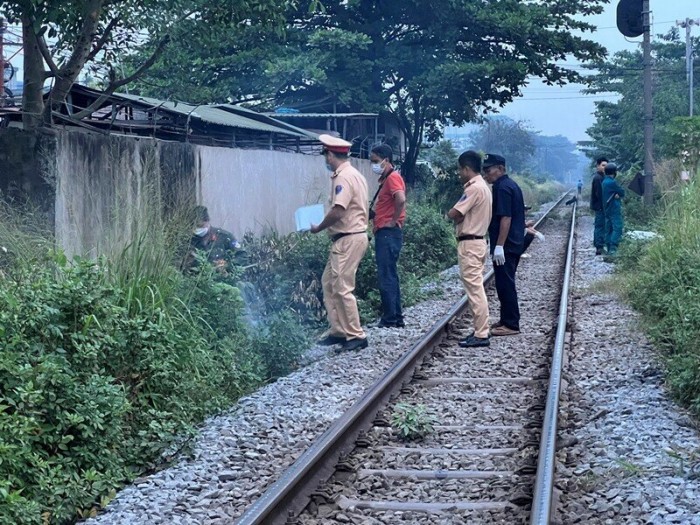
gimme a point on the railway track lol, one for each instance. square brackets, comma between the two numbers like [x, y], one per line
[490, 458]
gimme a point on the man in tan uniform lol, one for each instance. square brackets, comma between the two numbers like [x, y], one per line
[346, 222]
[472, 215]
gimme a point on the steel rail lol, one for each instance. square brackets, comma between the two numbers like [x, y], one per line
[289, 494]
[544, 479]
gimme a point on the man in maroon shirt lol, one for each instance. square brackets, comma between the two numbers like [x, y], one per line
[388, 220]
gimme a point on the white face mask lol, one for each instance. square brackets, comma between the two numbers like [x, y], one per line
[377, 168]
[201, 232]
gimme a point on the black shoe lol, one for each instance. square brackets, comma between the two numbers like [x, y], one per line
[472, 342]
[599, 251]
[385, 324]
[331, 340]
[353, 345]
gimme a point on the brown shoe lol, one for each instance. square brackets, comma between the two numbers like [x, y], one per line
[496, 325]
[503, 330]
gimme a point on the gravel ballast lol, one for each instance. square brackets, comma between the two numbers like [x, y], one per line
[636, 460]
[633, 455]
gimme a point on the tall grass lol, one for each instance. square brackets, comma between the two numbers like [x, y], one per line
[144, 236]
[25, 233]
[664, 285]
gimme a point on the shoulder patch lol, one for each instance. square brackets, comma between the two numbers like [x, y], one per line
[338, 189]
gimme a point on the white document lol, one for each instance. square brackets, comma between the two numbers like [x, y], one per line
[308, 215]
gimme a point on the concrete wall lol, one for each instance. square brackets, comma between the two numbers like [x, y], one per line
[24, 169]
[101, 184]
[107, 183]
[259, 191]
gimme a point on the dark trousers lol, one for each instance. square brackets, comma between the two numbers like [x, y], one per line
[613, 227]
[507, 294]
[388, 242]
[599, 229]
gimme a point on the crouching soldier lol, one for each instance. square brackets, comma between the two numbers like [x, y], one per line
[220, 246]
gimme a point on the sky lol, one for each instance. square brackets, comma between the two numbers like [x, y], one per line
[565, 110]
[552, 110]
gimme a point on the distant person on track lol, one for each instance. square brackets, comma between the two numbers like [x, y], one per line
[346, 222]
[507, 237]
[579, 187]
[612, 202]
[472, 215]
[597, 205]
[388, 220]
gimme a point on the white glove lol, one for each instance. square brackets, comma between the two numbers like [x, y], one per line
[499, 257]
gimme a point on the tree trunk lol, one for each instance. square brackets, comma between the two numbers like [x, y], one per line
[408, 168]
[69, 73]
[413, 128]
[34, 77]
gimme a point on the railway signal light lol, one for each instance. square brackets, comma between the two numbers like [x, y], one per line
[630, 17]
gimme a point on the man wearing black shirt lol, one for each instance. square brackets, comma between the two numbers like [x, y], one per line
[597, 205]
[507, 238]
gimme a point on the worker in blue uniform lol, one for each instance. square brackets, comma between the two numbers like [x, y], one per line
[612, 206]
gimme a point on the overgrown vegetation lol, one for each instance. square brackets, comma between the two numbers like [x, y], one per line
[289, 269]
[662, 281]
[108, 365]
[439, 185]
[105, 365]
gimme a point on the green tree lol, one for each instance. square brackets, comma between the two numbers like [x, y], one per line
[63, 37]
[222, 56]
[557, 157]
[427, 63]
[510, 138]
[618, 129]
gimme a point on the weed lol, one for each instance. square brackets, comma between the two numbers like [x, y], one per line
[411, 422]
[628, 468]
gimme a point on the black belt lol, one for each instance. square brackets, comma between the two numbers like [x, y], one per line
[470, 238]
[341, 235]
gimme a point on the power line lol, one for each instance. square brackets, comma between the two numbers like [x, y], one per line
[655, 23]
[589, 97]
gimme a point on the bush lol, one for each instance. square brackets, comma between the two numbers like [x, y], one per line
[429, 242]
[287, 269]
[412, 422]
[535, 192]
[281, 341]
[286, 274]
[664, 285]
[107, 364]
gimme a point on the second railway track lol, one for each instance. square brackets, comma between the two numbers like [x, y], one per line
[489, 404]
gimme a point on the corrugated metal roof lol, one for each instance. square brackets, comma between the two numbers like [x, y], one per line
[265, 117]
[213, 115]
[322, 115]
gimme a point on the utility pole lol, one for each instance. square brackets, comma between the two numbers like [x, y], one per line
[687, 24]
[633, 20]
[2, 62]
[648, 110]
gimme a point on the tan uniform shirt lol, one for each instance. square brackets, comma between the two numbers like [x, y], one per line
[349, 191]
[475, 205]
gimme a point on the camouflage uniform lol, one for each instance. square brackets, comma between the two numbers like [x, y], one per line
[219, 245]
